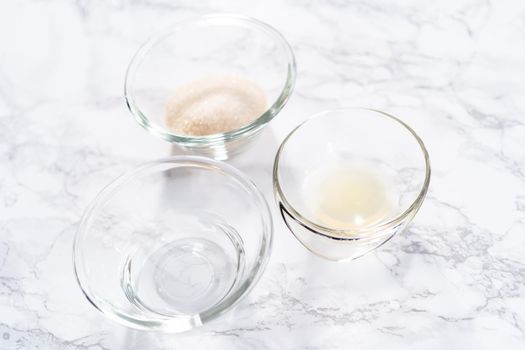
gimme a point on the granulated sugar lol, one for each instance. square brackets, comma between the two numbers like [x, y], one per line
[214, 104]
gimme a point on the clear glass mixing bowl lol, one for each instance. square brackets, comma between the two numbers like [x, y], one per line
[379, 155]
[209, 45]
[173, 244]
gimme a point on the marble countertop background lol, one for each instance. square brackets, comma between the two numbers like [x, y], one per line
[454, 70]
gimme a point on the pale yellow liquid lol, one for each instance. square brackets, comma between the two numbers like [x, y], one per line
[347, 196]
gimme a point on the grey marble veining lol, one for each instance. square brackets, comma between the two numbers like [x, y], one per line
[454, 70]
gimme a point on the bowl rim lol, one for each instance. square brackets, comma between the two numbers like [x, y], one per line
[351, 234]
[210, 19]
[174, 324]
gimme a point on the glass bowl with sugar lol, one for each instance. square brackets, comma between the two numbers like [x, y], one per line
[211, 84]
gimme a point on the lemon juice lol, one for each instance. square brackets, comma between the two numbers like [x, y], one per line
[347, 196]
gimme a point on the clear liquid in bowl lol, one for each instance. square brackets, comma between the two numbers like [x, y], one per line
[186, 275]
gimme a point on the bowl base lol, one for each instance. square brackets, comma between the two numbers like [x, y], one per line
[184, 277]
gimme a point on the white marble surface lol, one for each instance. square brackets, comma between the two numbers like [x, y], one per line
[454, 70]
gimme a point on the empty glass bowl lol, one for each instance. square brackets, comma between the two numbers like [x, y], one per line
[210, 46]
[173, 244]
[347, 180]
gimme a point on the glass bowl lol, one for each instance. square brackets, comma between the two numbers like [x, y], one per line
[347, 180]
[224, 45]
[173, 244]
